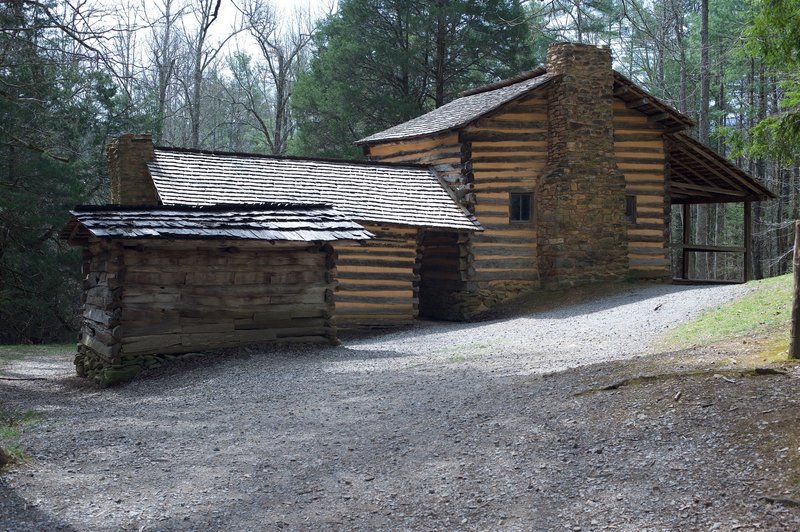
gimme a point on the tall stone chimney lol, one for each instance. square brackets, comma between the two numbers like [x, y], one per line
[131, 183]
[581, 198]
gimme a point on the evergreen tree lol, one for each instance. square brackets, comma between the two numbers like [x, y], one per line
[774, 36]
[381, 62]
[54, 114]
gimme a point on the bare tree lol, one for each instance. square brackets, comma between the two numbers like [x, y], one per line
[164, 53]
[202, 53]
[282, 49]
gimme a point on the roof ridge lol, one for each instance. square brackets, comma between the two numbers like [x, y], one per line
[513, 80]
[359, 162]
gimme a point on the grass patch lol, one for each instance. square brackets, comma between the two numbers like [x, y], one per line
[12, 424]
[767, 311]
[17, 351]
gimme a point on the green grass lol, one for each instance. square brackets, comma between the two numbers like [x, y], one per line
[12, 424]
[767, 310]
[21, 350]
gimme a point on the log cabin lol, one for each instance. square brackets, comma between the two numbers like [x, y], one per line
[560, 176]
[572, 170]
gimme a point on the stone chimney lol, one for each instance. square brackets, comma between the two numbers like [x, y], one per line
[131, 183]
[581, 198]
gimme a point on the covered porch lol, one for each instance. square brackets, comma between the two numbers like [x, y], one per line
[698, 176]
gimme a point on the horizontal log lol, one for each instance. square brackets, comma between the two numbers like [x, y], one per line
[646, 251]
[345, 276]
[376, 263]
[483, 135]
[647, 238]
[429, 143]
[344, 299]
[657, 226]
[648, 262]
[370, 322]
[278, 323]
[358, 287]
[250, 291]
[523, 126]
[625, 149]
[421, 155]
[502, 161]
[376, 252]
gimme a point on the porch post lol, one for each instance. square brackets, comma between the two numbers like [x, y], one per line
[748, 242]
[687, 232]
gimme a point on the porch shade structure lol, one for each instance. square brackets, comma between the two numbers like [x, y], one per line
[698, 175]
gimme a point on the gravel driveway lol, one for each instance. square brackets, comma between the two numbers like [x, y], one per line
[443, 426]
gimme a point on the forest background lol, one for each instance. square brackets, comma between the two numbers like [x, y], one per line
[246, 75]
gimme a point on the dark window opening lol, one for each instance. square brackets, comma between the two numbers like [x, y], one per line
[520, 207]
[630, 209]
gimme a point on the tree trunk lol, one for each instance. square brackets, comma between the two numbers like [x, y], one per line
[441, 52]
[705, 78]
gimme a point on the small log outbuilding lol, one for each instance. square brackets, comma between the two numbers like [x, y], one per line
[169, 280]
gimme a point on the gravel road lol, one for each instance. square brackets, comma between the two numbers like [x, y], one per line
[442, 426]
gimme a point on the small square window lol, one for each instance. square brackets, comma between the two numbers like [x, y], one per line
[520, 207]
[630, 209]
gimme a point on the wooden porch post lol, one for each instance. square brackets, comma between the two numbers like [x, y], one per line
[748, 242]
[687, 232]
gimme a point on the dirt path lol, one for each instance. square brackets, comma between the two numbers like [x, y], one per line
[445, 426]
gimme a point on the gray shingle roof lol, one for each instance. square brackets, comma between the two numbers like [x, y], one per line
[294, 223]
[459, 112]
[371, 192]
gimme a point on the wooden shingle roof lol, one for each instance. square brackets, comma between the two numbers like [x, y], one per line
[292, 223]
[364, 191]
[462, 111]
[476, 103]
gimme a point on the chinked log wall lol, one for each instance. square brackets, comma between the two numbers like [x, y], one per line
[378, 280]
[508, 153]
[185, 296]
[444, 257]
[639, 150]
[499, 154]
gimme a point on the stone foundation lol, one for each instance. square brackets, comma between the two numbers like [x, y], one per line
[104, 371]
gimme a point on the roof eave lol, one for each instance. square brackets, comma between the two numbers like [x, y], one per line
[752, 189]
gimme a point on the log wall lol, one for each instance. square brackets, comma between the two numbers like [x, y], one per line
[155, 297]
[379, 279]
[441, 151]
[640, 155]
[443, 273]
[507, 153]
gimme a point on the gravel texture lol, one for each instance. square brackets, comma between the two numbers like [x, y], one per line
[492, 425]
